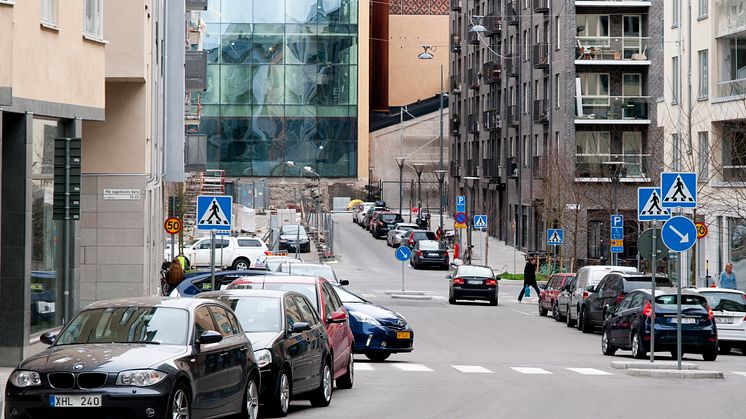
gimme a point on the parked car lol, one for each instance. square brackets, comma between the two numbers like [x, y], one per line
[549, 295]
[271, 262]
[234, 252]
[394, 236]
[378, 331]
[585, 277]
[140, 358]
[473, 282]
[197, 282]
[411, 237]
[429, 253]
[311, 269]
[358, 209]
[563, 301]
[629, 323]
[370, 220]
[363, 209]
[292, 236]
[383, 222]
[610, 292]
[327, 303]
[290, 345]
[729, 307]
[367, 214]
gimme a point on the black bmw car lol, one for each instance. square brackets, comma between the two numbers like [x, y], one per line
[473, 282]
[140, 358]
[290, 343]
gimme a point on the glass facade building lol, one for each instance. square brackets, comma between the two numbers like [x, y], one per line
[282, 86]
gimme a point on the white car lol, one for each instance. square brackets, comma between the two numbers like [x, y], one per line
[234, 252]
[393, 237]
[271, 262]
[729, 307]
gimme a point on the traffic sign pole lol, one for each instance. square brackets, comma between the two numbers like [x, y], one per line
[654, 270]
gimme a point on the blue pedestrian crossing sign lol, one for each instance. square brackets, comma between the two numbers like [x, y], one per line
[403, 253]
[460, 203]
[679, 190]
[679, 234]
[480, 221]
[649, 206]
[555, 237]
[214, 212]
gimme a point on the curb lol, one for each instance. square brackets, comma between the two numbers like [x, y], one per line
[685, 374]
[659, 365]
[411, 297]
[404, 292]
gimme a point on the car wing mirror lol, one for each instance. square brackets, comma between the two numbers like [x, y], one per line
[344, 282]
[590, 288]
[300, 327]
[543, 286]
[209, 336]
[48, 338]
[337, 317]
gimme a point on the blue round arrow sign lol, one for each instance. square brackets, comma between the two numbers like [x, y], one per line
[403, 253]
[679, 234]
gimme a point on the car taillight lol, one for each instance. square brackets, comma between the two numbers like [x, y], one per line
[619, 299]
[419, 253]
[380, 223]
[458, 281]
[585, 294]
[648, 309]
[490, 282]
[710, 314]
[411, 241]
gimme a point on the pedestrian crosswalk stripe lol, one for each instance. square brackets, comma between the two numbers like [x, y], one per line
[413, 367]
[363, 367]
[740, 373]
[530, 370]
[472, 369]
[589, 371]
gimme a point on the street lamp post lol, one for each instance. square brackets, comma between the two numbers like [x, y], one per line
[400, 162]
[470, 215]
[418, 169]
[441, 174]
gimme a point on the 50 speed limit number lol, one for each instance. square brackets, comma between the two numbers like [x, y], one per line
[172, 225]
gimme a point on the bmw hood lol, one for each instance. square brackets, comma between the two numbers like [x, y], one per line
[261, 340]
[102, 357]
[382, 314]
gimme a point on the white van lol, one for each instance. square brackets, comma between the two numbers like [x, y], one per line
[588, 276]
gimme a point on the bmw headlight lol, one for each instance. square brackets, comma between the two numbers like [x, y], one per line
[263, 358]
[364, 318]
[140, 378]
[25, 378]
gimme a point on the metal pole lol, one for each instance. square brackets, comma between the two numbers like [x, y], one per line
[173, 246]
[401, 185]
[682, 255]
[221, 252]
[402, 276]
[297, 242]
[66, 258]
[440, 163]
[212, 260]
[654, 270]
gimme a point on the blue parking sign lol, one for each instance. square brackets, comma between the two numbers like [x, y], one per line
[460, 203]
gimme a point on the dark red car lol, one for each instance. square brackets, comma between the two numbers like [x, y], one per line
[326, 301]
[550, 293]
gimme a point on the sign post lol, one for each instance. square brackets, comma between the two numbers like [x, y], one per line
[402, 254]
[214, 213]
[617, 237]
[480, 222]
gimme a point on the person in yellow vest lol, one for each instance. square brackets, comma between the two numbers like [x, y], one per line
[184, 261]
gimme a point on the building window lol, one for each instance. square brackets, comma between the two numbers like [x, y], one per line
[675, 152]
[703, 156]
[704, 75]
[594, 239]
[49, 12]
[734, 152]
[675, 80]
[632, 85]
[675, 13]
[595, 88]
[558, 36]
[592, 148]
[732, 58]
[557, 90]
[635, 162]
[94, 22]
[526, 46]
[526, 151]
[704, 8]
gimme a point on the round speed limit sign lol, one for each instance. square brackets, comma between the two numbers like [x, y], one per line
[172, 225]
[701, 229]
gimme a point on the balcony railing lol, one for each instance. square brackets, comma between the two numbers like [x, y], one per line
[455, 5]
[621, 3]
[473, 38]
[493, 24]
[455, 43]
[731, 88]
[734, 174]
[613, 48]
[510, 15]
[614, 108]
[541, 111]
[455, 125]
[491, 120]
[472, 77]
[541, 55]
[512, 115]
[539, 167]
[472, 124]
[490, 168]
[636, 166]
[512, 65]
[541, 6]
[492, 72]
[456, 84]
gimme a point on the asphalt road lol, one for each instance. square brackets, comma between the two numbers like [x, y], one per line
[476, 361]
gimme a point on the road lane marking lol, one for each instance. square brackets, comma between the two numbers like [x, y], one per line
[368, 295]
[530, 370]
[413, 367]
[363, 367]
[740, 373]
[472, 369]
[589, 371]
[523, 312]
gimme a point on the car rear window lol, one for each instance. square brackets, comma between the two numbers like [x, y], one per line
[479, 271]
[639, 282]
[424, 235]
[391, 218]
[726, 301]
[686, 300]
[430, 245]
[249, 243]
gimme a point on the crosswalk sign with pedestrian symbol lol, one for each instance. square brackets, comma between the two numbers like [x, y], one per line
[679, 190]
[480, 221]
[649, 206]
[555, 237]
[214, 212]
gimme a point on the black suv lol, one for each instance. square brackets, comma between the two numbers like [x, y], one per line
[611, 291]
[383, 222]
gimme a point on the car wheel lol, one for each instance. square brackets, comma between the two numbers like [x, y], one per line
[281, 401]
[585, 327]
[568, 319]
[451, 300]
[555, 313]
[241, 264]
[606, 347]
[638, 352]
[724, 348]
[251, 400]
[493, 302]
[377, 356]
[346, 381]
[322, 396]
[542, 311]
[179, 407]
[710, 354]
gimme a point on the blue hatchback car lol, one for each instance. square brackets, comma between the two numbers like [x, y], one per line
[197, 282]
[379, 332]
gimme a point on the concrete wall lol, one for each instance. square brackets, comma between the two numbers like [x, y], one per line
[126, 29]
[412, 79]
[6, 54]
[363, 90]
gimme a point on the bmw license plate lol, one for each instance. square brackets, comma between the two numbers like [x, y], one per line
[75, 400]
[432, 255]
[477, 282]
[724, 320]
[684, 320]
[403, 335]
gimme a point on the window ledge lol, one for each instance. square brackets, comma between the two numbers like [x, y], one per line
[703, 99]
[703, 17]
[94, 38]
[49, 25]
[724, 184]
[724, 99]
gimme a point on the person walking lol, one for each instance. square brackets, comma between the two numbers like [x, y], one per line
[529, 277]
[728, 277]
[174, 276]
